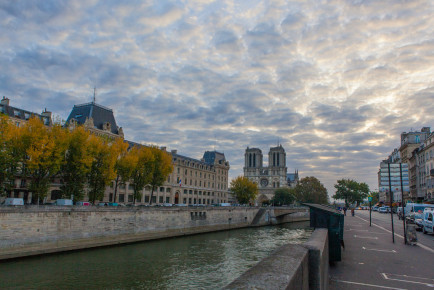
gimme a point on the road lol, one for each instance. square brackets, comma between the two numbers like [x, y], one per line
[371, 261]
[383, 220]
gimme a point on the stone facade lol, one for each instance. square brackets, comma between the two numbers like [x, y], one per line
[268, 178]
[192, 181]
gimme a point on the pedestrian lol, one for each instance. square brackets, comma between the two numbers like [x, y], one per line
[345, 210]
[352, 211]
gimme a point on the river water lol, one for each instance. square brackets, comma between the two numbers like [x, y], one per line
[206, 261]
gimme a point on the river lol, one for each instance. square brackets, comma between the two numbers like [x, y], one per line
[206, 261]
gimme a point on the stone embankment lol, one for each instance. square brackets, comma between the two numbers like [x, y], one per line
[291, 266]
[33, 230]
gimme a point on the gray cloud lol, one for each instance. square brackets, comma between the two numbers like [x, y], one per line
[335, 83]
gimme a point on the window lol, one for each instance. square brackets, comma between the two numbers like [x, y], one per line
[146, 198]
[186, 172]
[160, 200]
[168, 189]
[122, 186]
[184, 201]
[130, 198]
[131, 187]
[167, 199]
[121, 197]
[189, 200]
[178, 169]
[111, 197]
[161, 189]
[185, 191]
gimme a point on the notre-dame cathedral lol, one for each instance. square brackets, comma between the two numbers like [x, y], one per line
[271, 177]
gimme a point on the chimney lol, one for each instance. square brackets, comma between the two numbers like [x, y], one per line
[5, 101]
[46, 113]
[174, 151]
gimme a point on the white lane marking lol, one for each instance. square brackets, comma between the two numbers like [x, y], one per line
[372, 238]
[368, 285]
[418, 243]
[352, 230]
[408, 281]
[378, 250]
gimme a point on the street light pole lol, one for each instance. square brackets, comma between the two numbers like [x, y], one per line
[391, 201]
[402, 203]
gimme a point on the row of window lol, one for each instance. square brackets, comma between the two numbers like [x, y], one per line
[161, 199]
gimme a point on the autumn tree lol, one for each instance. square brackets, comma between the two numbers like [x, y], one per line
[9, 156]
[142, 160]
[101, 171]
[243, 189]
[45, 148]
[310, 190]
[123, 168]
[76, 164]
[351, 191]
[283, 196]
[161, 167]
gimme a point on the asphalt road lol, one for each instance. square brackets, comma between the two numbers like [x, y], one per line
[384, 220]
[370, 260]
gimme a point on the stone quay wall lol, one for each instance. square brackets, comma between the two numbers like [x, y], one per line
[33, 230]
[291, 266]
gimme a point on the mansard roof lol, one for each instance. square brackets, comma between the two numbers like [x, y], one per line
[213, 157]
[98, 113]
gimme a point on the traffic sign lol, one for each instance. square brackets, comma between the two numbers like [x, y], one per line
[369, 198]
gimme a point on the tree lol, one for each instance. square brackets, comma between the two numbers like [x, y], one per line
[76, 164]
[122, 168]
[9, 154]
[161, 167]
[141, 175]
[283, 196]
[243, 189]
[45, 148]
[101, 171]
[310, 190]
[351, 191]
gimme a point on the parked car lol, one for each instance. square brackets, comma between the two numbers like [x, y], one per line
[428, 225]
[14, 201]
[82, 203]
[64, 202]
[166, 204]
[384, 209]
[415, 211]
[375, 208]
[180, 204]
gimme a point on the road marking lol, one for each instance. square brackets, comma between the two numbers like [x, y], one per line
[356, 230]
[372, 238]
[418, 244]
[405, 279]
[368, 285]
[387, 251]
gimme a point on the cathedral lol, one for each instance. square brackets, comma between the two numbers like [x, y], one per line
[271, 177]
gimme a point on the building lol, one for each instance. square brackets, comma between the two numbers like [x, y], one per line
[393, 178]
[192, 181]
[268, 178]
[99, 120]
[426, 171]
[19, 117]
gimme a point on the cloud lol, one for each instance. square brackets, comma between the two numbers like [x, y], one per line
[335, 82]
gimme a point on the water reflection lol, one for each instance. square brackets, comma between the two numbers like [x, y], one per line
[207, 261]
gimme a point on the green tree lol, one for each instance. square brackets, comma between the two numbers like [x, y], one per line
[243, 189]
[351, 191]
[283, 196]
[310, 190]
[161, 167]
[76, 164]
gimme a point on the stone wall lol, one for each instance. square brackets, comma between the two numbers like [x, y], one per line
[291, 267]
[33, 230]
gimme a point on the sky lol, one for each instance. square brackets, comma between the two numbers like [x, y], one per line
[334, 82]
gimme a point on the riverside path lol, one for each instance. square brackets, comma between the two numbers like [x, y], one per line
[371, 260]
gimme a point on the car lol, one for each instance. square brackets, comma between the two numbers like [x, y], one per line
[166, 204]
[427, 223]
[359, 208]
[180, 204]
[384, 209]
[375, 208]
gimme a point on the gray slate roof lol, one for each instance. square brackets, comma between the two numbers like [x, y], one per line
[100, 115]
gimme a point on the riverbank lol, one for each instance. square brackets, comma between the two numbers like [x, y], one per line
[28, 231]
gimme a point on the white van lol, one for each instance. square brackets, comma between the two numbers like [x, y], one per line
[415, 210]
[14, 201]
[428, 215]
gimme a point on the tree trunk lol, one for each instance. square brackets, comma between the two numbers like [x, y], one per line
[116, 188]
[152, 194]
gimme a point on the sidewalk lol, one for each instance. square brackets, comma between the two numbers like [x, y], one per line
[371, 261]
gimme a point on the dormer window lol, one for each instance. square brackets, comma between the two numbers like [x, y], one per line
[27, 116]
[16, 113]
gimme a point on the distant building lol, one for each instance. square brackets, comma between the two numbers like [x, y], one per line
[390, 178]
[192, 181]
[268, 178]
[99, 120]
[19, 117]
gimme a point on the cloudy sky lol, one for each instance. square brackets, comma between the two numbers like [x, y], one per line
[335, 82]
